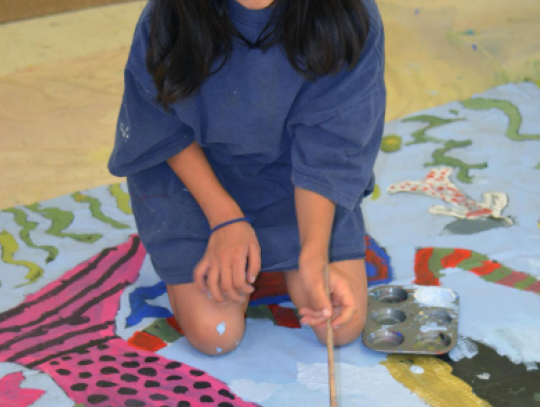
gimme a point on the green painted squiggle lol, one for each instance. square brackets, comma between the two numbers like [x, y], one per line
[95, 209]
[420, 136]
[122, 198]
[9, 248]
[509, 109]
[439, 158]
[21, 219]
[61, 220]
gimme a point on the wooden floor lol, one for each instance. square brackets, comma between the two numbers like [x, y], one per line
[23, 9]
[61, 79]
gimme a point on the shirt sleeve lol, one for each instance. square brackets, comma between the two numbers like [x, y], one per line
[146, 134]
[337, 126]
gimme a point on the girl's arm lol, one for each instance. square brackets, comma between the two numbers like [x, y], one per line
[315, 214]
[192, 167]
[222, 270]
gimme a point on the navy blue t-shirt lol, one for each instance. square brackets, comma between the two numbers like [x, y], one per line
[264, 129]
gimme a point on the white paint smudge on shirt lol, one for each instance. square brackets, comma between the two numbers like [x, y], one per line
[483, 376]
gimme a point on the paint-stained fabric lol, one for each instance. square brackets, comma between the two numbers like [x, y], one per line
[264, 129]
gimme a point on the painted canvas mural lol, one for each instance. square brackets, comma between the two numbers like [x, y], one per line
[85, 321]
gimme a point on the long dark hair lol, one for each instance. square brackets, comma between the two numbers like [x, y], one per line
[318, 36]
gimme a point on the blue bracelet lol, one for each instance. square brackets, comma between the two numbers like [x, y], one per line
[229, 222]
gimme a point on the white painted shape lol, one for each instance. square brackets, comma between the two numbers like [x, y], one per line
[374, 385]
[432, 326]
[435, 297]
[251, 391]
[417, 369]
[483, 376]
[465, 348]
[504, 318]
[221, 328]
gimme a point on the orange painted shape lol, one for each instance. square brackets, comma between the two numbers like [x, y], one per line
[424, 276]
[145, 341]
[284, 316]
[174, 324]
[486, 268]
[453, 259]
[511, 279]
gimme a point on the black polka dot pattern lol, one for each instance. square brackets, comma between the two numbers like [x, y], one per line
[174, 377]
[201, 385]
[151, 383]
[131, 354]
[183, 403]
[105, 383]
[79, 387]
[127, 390]
[109, 370]
[85, 375]
[196, 373]
[134, 403]
[63, 372]
[131, 364]
[97, 398]
[85, 362]
[180, 389]
[107, 358]
[158, 397]
[225, 404]
[151, 359]
[206, 399]
[226, 393]
[129, 378]
[55, 363]
[147, 371]
[172, 365]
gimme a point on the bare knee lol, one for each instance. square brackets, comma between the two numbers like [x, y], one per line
[214, 337]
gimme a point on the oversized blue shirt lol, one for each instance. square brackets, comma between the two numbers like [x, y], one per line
[264, 129]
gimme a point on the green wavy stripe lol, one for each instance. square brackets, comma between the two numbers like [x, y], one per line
[420, 136]
[440, 158]
[21, 219]
[509, 109]
[60, 221]
[9, 248]
[122, 198]
[95, 209]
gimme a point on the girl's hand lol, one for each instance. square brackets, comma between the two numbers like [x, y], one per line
[341, 306]
[221, 273]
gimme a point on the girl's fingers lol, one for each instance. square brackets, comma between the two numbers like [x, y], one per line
[254, 255]
[199, 275]
[348, 306]
[240, 283]
[226, 281]
[213, 284]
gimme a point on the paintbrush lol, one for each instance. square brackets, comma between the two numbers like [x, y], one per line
[330, 346]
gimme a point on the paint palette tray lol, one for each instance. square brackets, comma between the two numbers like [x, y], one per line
[411, 319]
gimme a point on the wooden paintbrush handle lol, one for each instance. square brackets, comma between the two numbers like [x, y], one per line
[330, 346]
